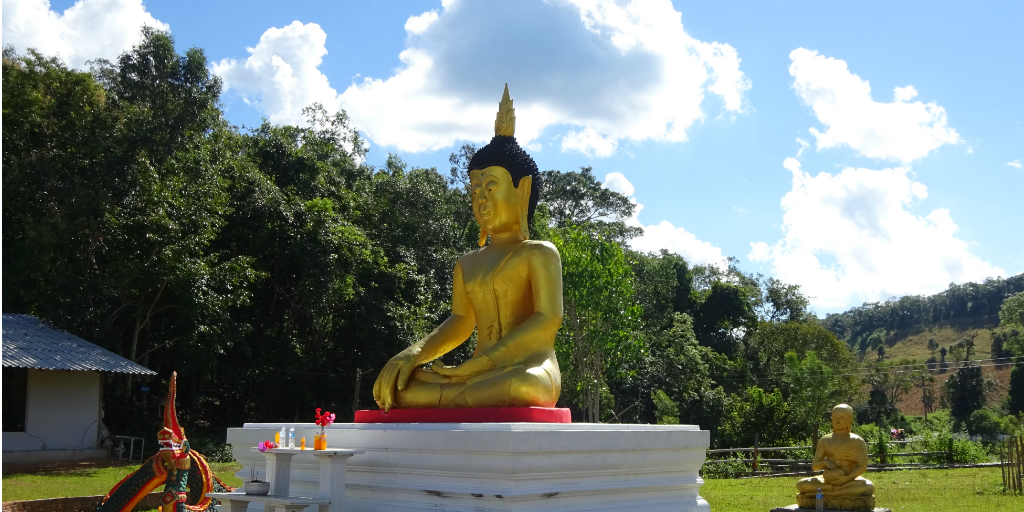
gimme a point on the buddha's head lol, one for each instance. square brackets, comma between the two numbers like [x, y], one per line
[842, 418]
[504, 181]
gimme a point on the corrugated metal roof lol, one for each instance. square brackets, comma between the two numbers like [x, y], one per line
[28, 342]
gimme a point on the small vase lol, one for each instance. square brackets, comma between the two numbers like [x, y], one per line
[320, 442]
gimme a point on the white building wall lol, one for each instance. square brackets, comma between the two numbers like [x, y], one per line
[63, 413]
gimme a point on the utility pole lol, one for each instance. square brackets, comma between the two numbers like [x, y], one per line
[927, 393]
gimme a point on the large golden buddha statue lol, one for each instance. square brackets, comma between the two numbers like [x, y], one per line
[509, 290]
[842, 457]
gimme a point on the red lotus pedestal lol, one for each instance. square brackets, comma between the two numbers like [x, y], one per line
[467, 415]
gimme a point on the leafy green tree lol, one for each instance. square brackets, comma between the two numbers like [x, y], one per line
[1015, 391]
[1011, 317]
[964, 392]
[578, 199]
[725, 311]
[893, 378]
[983, 422]
[760, 412]
[673, 361]
[813, 393]
[657, 285]
[878, 409]
[600, 315]
[783, 302]
[768, 346]
[666, 410]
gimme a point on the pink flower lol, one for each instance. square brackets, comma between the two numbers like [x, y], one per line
[324, 419]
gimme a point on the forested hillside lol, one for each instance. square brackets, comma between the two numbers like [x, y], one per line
[962, 307]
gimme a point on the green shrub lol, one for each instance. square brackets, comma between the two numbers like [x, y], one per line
[984, 422]
[211, 447]
[1012, 425]
[725, 470]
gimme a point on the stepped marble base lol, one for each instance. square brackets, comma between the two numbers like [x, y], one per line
[836, 503]
[501, 466]
[797, 508]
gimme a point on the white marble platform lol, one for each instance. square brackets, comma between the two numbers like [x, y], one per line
[501, 466]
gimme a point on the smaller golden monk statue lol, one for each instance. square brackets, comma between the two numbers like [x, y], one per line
[509, 291]
[843, 457]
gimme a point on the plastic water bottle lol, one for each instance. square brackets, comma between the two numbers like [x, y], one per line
[284, 438]
[291, 437]
[819, 502]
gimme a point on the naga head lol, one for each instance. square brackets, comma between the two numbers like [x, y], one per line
[173, 445]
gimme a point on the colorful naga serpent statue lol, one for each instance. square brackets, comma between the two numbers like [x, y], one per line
[184, 473]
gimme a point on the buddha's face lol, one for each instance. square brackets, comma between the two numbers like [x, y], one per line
[495, 200]
[841, 420]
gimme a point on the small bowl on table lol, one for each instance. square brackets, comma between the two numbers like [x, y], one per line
[256, 488]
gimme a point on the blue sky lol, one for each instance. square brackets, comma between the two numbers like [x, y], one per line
[696, 110]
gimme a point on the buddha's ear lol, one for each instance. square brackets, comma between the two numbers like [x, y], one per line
[483, 237]
[523, 190]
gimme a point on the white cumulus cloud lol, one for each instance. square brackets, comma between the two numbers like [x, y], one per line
[664, 235]
[851, 237]
[1015, 163]
[600, 72]
[617, 182]
[900, 130]
[803, 145]
[280, 76]
[416, 25]
[89, 29]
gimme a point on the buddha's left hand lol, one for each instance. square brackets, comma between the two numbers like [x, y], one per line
[470, 368]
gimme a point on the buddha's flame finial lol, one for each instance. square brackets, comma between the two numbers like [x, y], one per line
[505, 123]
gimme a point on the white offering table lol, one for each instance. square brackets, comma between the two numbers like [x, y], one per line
[500, 466]
[329, 495]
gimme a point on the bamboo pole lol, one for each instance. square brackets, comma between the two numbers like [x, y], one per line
[1002, 464]
[757, 438]
[1020, 464]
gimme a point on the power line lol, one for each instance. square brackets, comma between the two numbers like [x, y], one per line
[895, 369]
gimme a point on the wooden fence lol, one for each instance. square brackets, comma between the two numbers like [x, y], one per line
[1011, 462]
[886, 460]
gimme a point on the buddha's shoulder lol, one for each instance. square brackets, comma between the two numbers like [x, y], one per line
[856, 438]
[540, 248]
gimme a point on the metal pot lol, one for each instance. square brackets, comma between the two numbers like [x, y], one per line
[256, 488]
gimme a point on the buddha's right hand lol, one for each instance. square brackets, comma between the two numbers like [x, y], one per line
[394, 375]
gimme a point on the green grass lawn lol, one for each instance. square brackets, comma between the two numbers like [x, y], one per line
[85, 482]
[925, 490]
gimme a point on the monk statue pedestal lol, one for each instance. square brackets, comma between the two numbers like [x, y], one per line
[798, 508]
[860, 496]
[491, 467]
